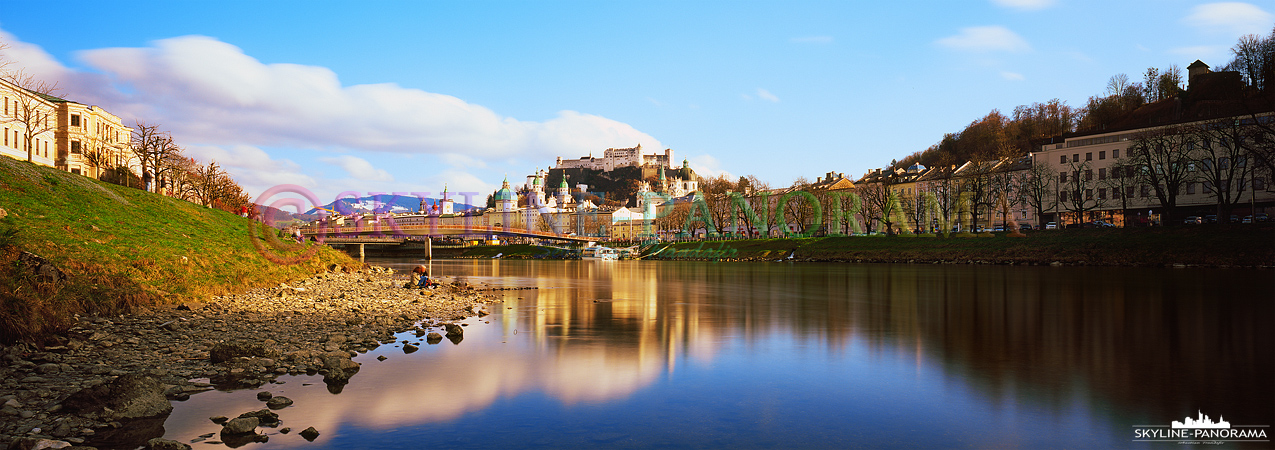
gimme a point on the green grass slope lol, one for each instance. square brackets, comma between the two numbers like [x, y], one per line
[122, 248]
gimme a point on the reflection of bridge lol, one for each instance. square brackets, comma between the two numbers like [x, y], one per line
[374, 234]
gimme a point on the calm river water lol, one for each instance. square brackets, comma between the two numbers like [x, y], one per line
[656, 354]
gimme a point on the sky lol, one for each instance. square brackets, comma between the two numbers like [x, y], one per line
[365, 97]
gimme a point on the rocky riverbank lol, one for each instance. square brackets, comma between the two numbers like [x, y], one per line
[108, 375]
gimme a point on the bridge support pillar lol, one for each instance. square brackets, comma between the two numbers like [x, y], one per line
[429, 248]
[361, 246]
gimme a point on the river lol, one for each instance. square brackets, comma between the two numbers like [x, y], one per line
[663, 354]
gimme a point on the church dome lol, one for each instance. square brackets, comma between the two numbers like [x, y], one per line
[504, 193]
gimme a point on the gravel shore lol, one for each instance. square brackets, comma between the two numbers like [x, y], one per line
[311, 326]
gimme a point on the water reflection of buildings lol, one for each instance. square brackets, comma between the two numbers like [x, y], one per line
[1141, 344]
[1151, 342]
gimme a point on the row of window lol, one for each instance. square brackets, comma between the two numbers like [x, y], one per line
[1075, 157]
[1145, 190]
[17, 138]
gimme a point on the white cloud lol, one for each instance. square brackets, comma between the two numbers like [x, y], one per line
[459, 160]
[209, 92]
[766, 95]
[811, 40]
[707, 166]
[1024, 5]
[985, 39]
[251, 167]
[359, 168]
[1231, 18]
[1012, 76]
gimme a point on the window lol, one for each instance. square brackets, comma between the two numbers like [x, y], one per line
[1115, 154]
[75, 120]
[1062, 159]
[1088, 174]
[1102, 154]
[1062, 196]
[1102, 193]
[1062, 177]
[1146, 191]
[1115, 193]
[75, 146]
[1089, 156]
[6, 134]
[1259, 183]
[1075, 157]
[1102, 174]
[1190, 188]
[1088, 194]
[1208, 187]
[1223, 163]
[1128, 191]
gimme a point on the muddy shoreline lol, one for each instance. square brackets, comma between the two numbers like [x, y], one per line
[310, 326]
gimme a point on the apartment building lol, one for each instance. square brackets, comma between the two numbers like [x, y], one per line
[1196, 145]
[91, 140]
[28, 121]
[55, 132]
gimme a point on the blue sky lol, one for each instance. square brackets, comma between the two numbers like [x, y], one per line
[399, 96]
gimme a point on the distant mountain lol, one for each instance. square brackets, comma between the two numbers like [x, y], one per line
[380, 204]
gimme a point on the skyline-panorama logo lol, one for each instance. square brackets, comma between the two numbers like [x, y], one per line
[1200, 430]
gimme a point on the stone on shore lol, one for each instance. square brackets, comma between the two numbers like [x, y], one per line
[226, 351]
[454, 329]
[130, 396]
[240, 425]
[279, 402]
[37, 444]
[165, 444]
[309, 434]
[265, 417]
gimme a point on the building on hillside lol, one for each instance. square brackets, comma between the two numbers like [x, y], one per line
[91, 140]
[67, 135]
[617, 157]
[30, 123]
[1194, 147]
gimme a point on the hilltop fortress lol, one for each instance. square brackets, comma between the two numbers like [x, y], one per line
[618, 157]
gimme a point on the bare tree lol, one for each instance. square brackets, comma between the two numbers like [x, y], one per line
[1078, 194]
[1222, 161]
[32, 110]
[1122, 180]
[1163, 164]
[1039, 188]
[153, 148]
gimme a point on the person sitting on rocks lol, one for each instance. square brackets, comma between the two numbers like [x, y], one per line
[420, 277]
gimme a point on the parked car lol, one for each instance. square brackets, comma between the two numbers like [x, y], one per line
[1261, 217]
[1193, 220]
[1247, 219]
[999, 228]
[1210, 218]
[1102, 224]
[1235, 218]
[1024, 226]
[1051, 226]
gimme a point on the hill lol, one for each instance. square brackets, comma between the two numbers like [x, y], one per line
[101, 249]
[381, 203]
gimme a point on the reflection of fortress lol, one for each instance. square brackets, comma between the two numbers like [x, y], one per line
[1203, 422]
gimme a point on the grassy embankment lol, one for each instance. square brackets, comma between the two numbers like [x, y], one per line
[121, 248]
[1209, 245]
